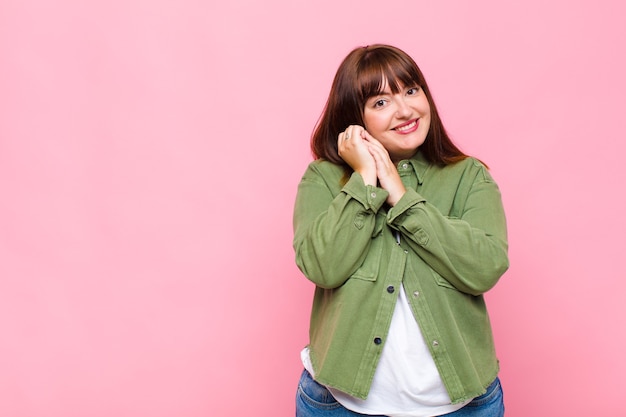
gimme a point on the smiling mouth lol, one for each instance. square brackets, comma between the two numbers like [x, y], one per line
[405, 128]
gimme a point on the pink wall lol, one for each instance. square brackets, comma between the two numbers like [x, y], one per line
[149, 155]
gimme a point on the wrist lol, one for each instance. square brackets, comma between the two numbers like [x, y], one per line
[369, 178]
[395, 196]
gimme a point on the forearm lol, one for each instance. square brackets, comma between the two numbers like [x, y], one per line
[333, 232]
[469, 252]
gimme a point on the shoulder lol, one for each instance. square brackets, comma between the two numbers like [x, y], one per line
[470, 167]
[322, 170]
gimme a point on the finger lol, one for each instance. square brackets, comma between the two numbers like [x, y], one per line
[354, 131]
[376, 145]
[366, 135]
[380, 156]
[340, 142]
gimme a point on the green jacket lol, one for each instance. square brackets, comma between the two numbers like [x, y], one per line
[452, 249]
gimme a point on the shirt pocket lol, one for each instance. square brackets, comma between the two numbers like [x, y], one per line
[368, 271]
[441, 281]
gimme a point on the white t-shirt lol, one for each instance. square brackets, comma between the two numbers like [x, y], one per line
[406, 382]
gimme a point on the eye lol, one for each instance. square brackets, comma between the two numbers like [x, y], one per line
[413, 91]
[378, 103]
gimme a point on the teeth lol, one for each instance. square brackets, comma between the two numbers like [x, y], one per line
[407, 127]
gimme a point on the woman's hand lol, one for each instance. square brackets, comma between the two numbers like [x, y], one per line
[368, 157]
[386, 170]
[354, 150]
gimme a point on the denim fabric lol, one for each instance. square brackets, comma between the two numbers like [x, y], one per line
[490, 404]
[314, 400]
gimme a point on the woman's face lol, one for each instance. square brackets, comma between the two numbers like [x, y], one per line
[399, 121]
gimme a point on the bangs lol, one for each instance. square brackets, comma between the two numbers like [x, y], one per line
[378, 70]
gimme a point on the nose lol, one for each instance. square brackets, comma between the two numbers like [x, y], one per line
[402, 108]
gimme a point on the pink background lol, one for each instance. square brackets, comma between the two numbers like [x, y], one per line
[149, 157]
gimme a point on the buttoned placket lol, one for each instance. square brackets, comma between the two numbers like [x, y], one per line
[410, 179]
[392, 280]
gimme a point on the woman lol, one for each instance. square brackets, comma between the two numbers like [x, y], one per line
[402, 234]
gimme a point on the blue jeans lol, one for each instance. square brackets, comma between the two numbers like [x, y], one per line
[314, 400]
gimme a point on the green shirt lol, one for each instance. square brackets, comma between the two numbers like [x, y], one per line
[452, 249]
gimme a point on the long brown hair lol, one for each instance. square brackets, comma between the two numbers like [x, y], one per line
[362, 75]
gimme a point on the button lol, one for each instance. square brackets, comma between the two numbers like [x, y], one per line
[435, 343]
[416, 294]
[390, 289]
[378, 340]
[405, 166]
[406, 251]
[373, 195]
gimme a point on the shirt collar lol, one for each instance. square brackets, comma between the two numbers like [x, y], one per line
[419, 164]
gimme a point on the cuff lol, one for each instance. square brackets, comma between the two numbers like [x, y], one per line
[409, 200]
[371, 197]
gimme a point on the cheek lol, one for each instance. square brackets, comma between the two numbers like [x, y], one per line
[372, 123]
[426, 125]
[367, 123]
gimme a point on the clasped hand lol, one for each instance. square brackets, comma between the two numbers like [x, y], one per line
[367, 156]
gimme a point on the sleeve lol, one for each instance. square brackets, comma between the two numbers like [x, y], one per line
[332, 233]
[469, 252]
